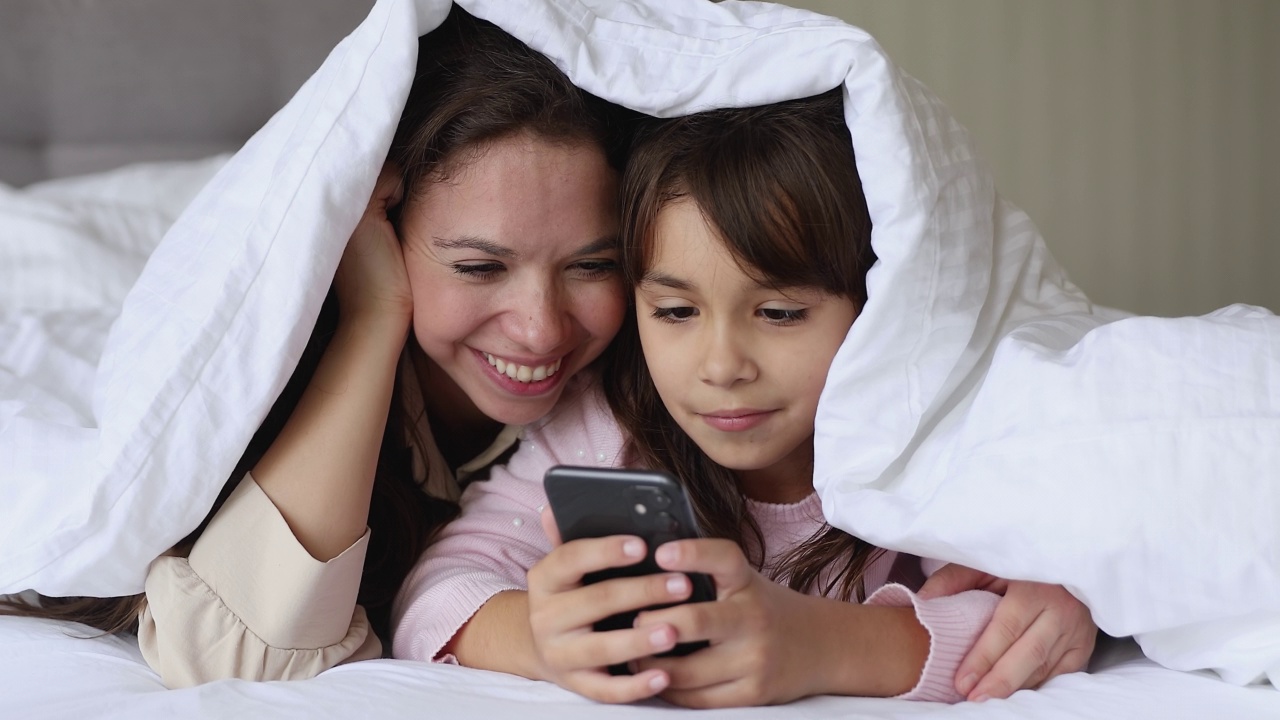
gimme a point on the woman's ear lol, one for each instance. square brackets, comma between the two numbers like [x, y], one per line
[395, 201]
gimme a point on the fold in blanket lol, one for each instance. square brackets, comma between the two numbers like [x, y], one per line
[981, 409]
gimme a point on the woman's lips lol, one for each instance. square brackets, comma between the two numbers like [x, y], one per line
[519, 379]
[736, 420]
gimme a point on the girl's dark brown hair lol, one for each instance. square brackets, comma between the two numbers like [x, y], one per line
[779, 185]
[474, 84]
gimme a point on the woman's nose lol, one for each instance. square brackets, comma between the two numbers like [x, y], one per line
[540, 320]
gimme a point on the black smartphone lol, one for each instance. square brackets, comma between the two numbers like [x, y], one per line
[592, 502]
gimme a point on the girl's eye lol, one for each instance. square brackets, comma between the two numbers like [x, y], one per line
[478, 271]
[673, 314]
[779, 316]
[594, 269]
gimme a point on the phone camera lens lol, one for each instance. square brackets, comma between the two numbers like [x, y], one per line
[660, 500]
[666, 523]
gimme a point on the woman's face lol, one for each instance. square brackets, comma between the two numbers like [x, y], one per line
[513, 265]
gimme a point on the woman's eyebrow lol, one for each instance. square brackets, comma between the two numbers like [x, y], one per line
[489, 247]
[601, 244]
[665, 280]
[469, 242]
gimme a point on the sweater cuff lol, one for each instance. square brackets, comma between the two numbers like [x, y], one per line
[954, 623]
[250, 558]
[440, 610]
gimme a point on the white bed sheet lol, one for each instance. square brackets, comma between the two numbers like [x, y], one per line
[47, 673]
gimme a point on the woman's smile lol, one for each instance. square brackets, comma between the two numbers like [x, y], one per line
[523, 379]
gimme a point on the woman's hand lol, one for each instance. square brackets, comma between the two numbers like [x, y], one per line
[562, 611]
[371, 278]
[762, 646]
[1038, 631]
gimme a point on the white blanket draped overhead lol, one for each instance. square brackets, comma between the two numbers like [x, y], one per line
[981, 409]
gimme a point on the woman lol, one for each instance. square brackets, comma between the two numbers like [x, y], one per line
[489, 244]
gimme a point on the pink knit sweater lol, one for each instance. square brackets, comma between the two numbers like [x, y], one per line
[499, 537]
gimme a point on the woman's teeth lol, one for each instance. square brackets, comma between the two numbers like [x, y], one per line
[523, 373]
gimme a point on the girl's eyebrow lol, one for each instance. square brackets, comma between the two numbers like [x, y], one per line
[489, 247]
[657, 278]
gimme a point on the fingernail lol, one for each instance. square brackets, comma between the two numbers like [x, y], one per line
[659, 638]
[924, 594]
[633, 548]
[666, 554]
[658, 682]
[982, 698]
[677, 585]
[967, 683]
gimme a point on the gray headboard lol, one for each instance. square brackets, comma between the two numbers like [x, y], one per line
[87, 85]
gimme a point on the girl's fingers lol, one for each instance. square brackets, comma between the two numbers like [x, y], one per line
[693, 622]
[580, 608]
[596, 650]
[562, 569]
[602, 687]
[721, 559]
[709, 666]
[741, 692]
[549, 526]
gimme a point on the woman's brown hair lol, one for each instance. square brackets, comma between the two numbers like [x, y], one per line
[474, 84]
[779, 185]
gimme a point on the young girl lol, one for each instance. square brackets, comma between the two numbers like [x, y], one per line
[747, 241]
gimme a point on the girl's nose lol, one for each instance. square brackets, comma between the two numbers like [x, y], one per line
[726, 360]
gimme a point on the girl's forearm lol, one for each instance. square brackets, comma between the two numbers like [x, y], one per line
[868, 651]
[319, 471]
[498, 637]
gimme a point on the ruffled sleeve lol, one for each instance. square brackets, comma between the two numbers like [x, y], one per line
[250, 602]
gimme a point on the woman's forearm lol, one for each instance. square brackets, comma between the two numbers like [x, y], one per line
[319, 471]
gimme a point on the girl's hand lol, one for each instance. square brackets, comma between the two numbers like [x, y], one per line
[761, 649]
[371, 278]
[562, 611]
[1039, 631]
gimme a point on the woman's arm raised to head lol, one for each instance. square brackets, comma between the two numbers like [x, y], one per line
[319, 471]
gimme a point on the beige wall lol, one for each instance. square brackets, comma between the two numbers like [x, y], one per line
[1140, 135]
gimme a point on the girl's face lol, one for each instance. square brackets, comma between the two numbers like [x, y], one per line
[739, 365]
[513, 266]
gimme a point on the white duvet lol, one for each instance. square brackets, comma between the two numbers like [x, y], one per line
[981, 410]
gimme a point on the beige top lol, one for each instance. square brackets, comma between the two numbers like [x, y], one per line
[250, 602]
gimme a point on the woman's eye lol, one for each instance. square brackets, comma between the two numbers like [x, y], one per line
[779, 316]
[478, 271]
[594, 269]
[673, 314]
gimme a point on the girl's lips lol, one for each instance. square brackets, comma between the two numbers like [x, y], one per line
[737, 421]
